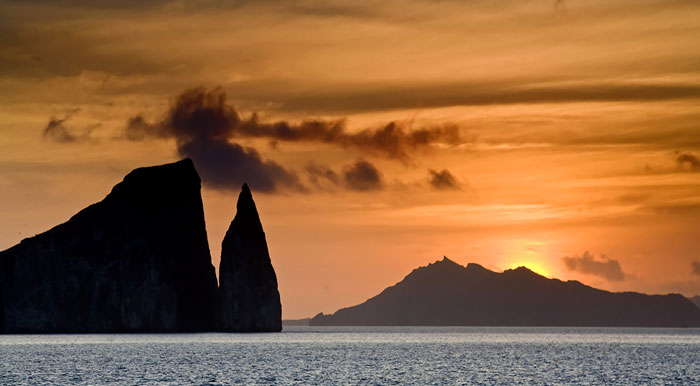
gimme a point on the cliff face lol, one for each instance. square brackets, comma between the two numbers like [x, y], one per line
[248, 295]
[138, 261]
[447, 294]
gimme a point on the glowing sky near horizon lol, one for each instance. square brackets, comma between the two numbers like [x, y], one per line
[579, 122]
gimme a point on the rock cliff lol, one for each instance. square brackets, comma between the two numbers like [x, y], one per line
[248, 295]
[139, 261]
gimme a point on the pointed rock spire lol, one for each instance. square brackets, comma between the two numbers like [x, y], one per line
[248, 295]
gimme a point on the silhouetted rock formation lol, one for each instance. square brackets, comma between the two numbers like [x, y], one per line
[139, 261]
[248, 292]
[696, 300]
[447, 294]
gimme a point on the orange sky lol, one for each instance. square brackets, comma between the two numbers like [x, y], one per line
[577, 150]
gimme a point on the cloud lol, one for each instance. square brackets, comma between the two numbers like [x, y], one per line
[322, 176]
[201, 113]
[362, 176]
[57, 130]
[201, 124]
[695, 267]
[205, 126]
[605, 267]
[679, 208]
[692, 162]
[475, 93]
[226, 166]
[443, 180]
[392, 140]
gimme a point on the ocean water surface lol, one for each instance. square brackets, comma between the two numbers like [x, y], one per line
[359, 355]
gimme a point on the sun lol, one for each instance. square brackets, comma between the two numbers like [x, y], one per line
[528, 253]
[537, 267]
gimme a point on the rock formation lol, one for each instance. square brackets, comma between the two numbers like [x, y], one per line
[139, 261]
[248, 296]
[447, 294]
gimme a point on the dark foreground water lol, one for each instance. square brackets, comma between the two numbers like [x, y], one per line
[372, 355]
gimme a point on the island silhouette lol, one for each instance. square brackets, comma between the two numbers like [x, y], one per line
[695, 299]
[139, 261]
[445, 293]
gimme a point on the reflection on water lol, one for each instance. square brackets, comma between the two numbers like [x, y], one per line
[360, 355]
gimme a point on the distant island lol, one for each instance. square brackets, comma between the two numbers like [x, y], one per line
[296, 322]
[695, 299]
[445, 293]
[139, 261]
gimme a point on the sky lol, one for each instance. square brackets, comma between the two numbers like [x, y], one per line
[377, 136]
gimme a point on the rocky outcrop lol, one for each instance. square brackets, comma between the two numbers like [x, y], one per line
[447, 294]
[248, 295]
[138, 261]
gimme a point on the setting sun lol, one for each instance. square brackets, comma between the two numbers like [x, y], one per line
[534, 266]
[529, 253]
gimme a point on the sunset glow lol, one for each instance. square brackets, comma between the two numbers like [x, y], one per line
[377, 136]
[533, 266]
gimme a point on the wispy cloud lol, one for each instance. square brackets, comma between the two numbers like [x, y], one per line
[443, 180]
[58, 130]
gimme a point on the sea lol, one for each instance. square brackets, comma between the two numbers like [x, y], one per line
[359, 356]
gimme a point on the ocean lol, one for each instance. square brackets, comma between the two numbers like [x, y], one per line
[359, 356]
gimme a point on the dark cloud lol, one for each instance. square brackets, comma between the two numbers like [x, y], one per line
[443, 180]
[695, 267]
[322, 176]
[204, 126]
[392, 140]
[225, 165]
[688, 160]
[201, 124]
[362, 176]
[605, 267]
[200, 113]
[57, 130]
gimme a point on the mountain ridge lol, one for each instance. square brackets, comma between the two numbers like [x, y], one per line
[445, 293]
